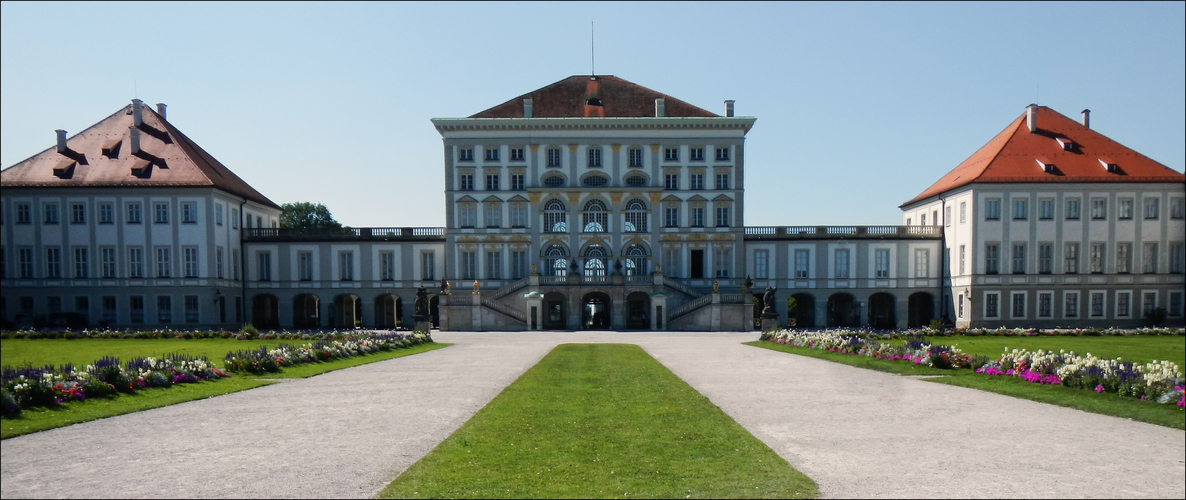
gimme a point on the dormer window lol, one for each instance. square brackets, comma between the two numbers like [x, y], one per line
[1065, 143]
[1108, 164]
[111, 148]
[1046, 165]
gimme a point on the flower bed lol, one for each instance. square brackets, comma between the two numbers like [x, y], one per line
[31, 386]
[1054, 332]
[916, 349]
[167, 333]
[263, 360]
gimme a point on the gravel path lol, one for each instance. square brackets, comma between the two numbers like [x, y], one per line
[857, 433]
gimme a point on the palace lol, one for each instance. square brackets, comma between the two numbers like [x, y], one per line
[591, 203]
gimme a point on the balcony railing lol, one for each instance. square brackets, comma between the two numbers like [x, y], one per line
[841, 232]
[346, 233]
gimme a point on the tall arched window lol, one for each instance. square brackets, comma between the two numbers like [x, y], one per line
[595, 218]
[555, 217]
[595, 259]
[636, 217]
[636, 260]
[556, 261]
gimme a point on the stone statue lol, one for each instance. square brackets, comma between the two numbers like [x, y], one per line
[444, 286]
[768, 300]
[745, 285]
[420, 306]
[477, 288]
[716, 286]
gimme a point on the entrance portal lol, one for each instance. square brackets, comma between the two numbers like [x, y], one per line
[555, 314]
[595, 311]
[882, 313]
[638, 305]
[922, 310]
[697, 264]
[842, 311]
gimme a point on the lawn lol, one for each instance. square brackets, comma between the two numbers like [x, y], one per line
[599, 421]
[81, 352]
[1137, 349]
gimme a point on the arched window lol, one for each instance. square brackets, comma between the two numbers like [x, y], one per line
[636, 260]
[595, 218]
[556, 261]
[595, 258]
[595, 181]
[555, 217]
[636, 217]
[554, 181]
[636, 181]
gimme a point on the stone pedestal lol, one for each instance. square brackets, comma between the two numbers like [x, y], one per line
[770, 325]
[422, 324]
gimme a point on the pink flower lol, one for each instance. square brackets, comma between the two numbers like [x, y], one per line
[1099, 388]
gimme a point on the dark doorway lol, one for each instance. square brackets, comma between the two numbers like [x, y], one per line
[842, 311]
[804, 312]
[882, 312]
[555, 315]
[922, 310]
[434, 309]
[388, 311]
[595, 311]
[265, 312]
[347, 311]
[638, 306]
[697, 263]
[306, 313]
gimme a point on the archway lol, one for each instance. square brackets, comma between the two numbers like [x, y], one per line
[922, 309]
[265, 312]
[882, 313]
[434, 309]
[842, 311]
[555, 311]
[388, 311]
[347, 311]
[638, 306]
[804, 313]
[306, 312]
[595, 311]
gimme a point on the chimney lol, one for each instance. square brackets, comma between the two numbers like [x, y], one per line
[160, 109]
[137, 113]
[134, 142]
[62, 147]
[1087, 118]
[1031, 117]
[729, 107]
[526, 108]
[659, 107]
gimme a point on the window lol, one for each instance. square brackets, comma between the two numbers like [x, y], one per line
[1072, 209]
[922, 260]
[1177, 258]
[1046, 209]
[697, 217]
[1175, 304]
[135, 262]
[466, 215]
[263, 269]
[555, 263]
[722, 216]
[492, 182]
[697, 181]
[881, 264]
[1097, 304]
[346, 266]
[518, 215]
[465, 154]
[594, 155]
[518, 182]
[466, 182]
[992, 258]
[25, 258]
[842, 263]
[595, 181]
[236, 264]
[960, 306]
[1149, 258]
[1021, 209]
[1045, 304]
[671, 182]
[671, 216]
[636, 217]
[555, 217]
[1177, 210]
[1123, 258]
[1071, 258]
[595, 219]
[518, 264]
[947, 217]
[81, 267]
[1149, 304]
[77, 213]
[517, 154]
[1123, 304]
[1045, 258]
[305, 266]
[963, 212]
[246, 220]
[164, 309]
[1019, 258]
[636, 181]
[109, 309]
[387, 266]
[723, 259]
[219, 265]
[493, 265]
[992, 307]
[922, 219]
[1097, 258]
[722, 154]
[635, 158]
[1070, 306]
[51, 213]
[160, 213]
[761, 264]
[23, 214]
[107, 262]
[189, 213]
[136, 309]
[1124, 209]
[469, 265]
[553, 157]
[935, 217]
[963, 257]
[218, 214]
[1099, 208]
[1018, 300]
[671, 154]
[53, 262]
[428, 265]
[493, 214]
[722, 181]
[697, 154]
[1152, 208]
[191, 308]
[191, 261]
[234, 218]
[554, 181]
[54, 304]
[992, 209]
[491, 153]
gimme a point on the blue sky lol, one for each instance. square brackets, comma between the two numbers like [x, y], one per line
[860, 106]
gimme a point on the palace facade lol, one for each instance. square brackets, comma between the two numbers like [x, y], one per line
[591, 203]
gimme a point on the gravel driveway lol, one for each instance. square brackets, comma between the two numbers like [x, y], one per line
[857, 433]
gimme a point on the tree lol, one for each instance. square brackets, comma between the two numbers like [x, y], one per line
[302, 215]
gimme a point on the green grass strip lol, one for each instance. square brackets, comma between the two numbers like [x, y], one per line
[600, 421]
[1079, 399]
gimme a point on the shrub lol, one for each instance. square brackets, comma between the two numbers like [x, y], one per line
[158, 379]
[8, 406]
[249, 329]
[95, 388]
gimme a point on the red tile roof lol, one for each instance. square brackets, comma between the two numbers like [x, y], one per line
[176, 161]
[619, 98]
[1014, 155]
